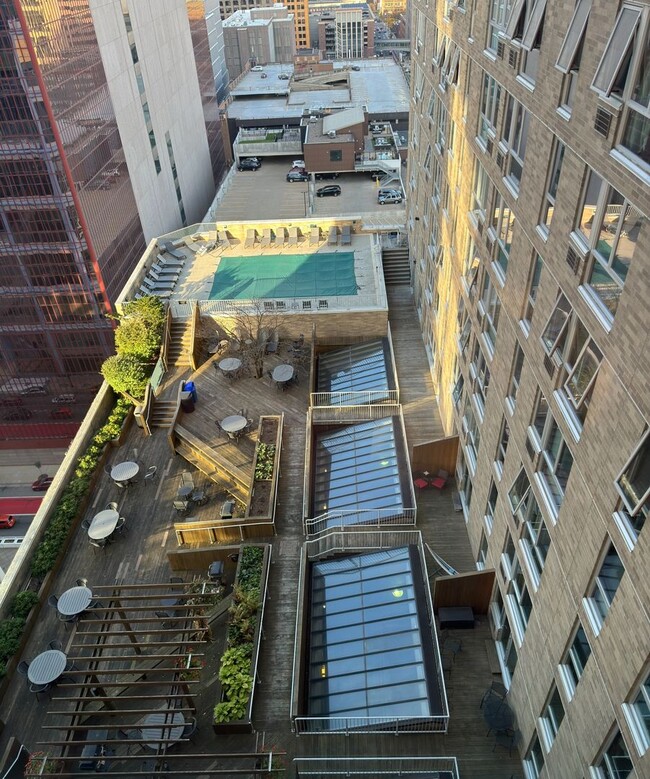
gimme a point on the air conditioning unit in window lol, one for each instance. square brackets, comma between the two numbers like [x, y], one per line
[603, 122]
[489, 242]
[549, 365]
[574, 260]
[501, 47]
[513, 58]
[489, 145]
[479, 227]
[500, 158]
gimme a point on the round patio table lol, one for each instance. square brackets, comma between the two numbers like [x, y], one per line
[103, 524]
[124, 471]
[234, 423]
[47, 667]
[230, 364]
[283, 373]
[162, 725]
[184, 491]
[74, 601]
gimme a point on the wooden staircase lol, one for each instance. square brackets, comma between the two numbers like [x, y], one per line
[397, 266]
[180, 343]
[162, 413]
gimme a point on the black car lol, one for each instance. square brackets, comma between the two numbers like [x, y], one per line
[332, 191]
[297, 175]
[19, 413]
[329, 176]
[249, 163]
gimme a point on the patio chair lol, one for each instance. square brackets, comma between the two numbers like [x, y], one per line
[251, 237]
[421, 483]
[82, 582]
[121, 526]
[37, 689]
[86, 524]
[53, 600]
[187, 480]
[440, 480]
[280, 236]
[508, 739]
[181, 506]
[169, 248]
[199, 497]
[164, 272]
[496, 689]
[171, 262]
[223, 238]
[22, 668]
[293, 236]
[176, 580]
[191, 726]
[266, 237]
[150, 475]
[453, 646]
[55, 644]
[111, 506]
[107, 470]
[98, 544]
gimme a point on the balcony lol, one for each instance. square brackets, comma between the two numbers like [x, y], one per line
[267, 143]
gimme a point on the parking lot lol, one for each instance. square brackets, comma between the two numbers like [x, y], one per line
[266, 194]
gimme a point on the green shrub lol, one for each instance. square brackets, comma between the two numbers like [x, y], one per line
[11, 631]
[264, 461]
[22, 603]
[133, 336]
[127, 374]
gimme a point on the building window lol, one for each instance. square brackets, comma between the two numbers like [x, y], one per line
[637, 713]
[503, 223]
[633, 485]
[568, 60]
[534, 759]
[499, 14]
[526, 24]
[464, 481]
[608, 227]
[336, 155]
[603, 590]
[552, 718]
[574, 661]
[624, 75]
[568, 343]
[517, 595]
[482, 552]
[535, 539]
[555, 461]
[615, 762]
[489, 108]
[502, 447]
[470, 268]
[551, 187]
[531, 294]
[480, 193]
[513, 143]
[515, 379]
[491, 505]
[471, 433]
[505, 643]
[480, 373]
[489, 310]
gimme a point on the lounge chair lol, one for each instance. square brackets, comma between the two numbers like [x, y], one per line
[223, 238]
[293, 236]
[170, 261]
[161, 270]
[166, 279]
[266, 238]
[280, 236]
[251, 236]
[333, 236]
[314, 236]
[155, 285]
[159, 293]
[169, 248]
[346, 235]
[440, 480]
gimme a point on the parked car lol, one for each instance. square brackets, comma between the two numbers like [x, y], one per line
[394, 197]
[42, 483]
[18, 415]
[333, 190]
[249, 163]
[34, 389]
[284, 76]
[12, 400]
[257, 68]
[62, 412]
[299, 164]
[383, 191]
[355, 67]
[297, 175]
[328, 176]
[264, 75]
[67, 397]
[7, 521]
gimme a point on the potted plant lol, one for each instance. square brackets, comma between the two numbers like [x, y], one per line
[40, 763]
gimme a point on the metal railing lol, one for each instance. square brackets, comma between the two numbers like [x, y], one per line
[366, 518]
[341, 540]
[337, 414]
[354, 725]
[364, 299]
[372, 767]
[355, 398]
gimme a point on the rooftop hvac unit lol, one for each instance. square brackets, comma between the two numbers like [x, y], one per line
[331, 133]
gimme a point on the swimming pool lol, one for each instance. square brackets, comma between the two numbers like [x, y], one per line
[316, 275]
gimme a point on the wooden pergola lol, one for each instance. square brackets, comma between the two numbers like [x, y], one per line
[125, 704]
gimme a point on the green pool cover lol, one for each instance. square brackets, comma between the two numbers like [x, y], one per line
[285, 276]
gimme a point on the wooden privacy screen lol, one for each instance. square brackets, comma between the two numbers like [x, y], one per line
[472, 589]
[435, 455]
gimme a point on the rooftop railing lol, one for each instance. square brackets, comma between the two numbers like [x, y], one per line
[371, 767]
[366, 518]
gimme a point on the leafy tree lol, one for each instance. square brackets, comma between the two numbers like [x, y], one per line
[126, 374]
[135, 337]
[253, 327]
[149, 308]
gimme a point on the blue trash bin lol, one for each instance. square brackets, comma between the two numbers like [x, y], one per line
[190, 387]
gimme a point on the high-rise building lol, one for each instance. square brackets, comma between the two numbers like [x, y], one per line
[346, 32]
[102, 145]
[261, 35]
[299, 9]
[528, 176]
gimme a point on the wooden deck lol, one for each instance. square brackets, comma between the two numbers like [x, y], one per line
[140, 557]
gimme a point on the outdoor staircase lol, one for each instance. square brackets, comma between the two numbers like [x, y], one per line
[397, 266]
[162, 413]
[180, 343]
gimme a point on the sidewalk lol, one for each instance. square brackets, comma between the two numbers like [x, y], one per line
[23, 466]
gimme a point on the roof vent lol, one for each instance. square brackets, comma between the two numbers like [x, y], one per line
[331, 133]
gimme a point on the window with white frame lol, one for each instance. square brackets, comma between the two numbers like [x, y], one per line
[534, 759]
[499, 14]
[554, 463]
[633, 485]
[449, 66]
[502, 447]
[601, 594]
[514, 141]
[464, 334]
[490, 507]
[489, 309]
[470, 267]
[517, 595]
[505, 643]
[464, 481]
[472, 432]
[525, 25]
[480, 373]
[574, 661]
[503, 224]
[515, 378]
[433, 99]
[552, 717]
[531, 292]
[432, 35]
[624, 76]
[480, 193]
[419, 82]
[535, 539]
[482, 552]
[608, 228]
[615, 761]
[457, 390]
[568, 343]
[427, 160]
[568, 61]
[437, 184]
[442, 125]
[420, 36]
[551, 188]
[637, 713]
[489, 108]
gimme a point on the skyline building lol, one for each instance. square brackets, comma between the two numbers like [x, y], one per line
[103, 145]
[528, 225]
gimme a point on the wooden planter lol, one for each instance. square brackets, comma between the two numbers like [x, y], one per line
[262, 495]
[245, 725]
[126, 426]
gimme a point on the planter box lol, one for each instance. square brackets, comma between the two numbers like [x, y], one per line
[245, 725]
[126, 426]
[262, 495]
